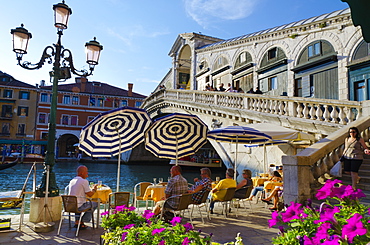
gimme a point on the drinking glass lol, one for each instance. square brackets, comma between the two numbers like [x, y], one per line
[168, 179]
[160, 180]
[217, 179]
[99, 183]
[154, 181]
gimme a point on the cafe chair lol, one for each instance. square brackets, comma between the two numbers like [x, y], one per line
[139, 191]
[163, 183]
[226, 201]
[70, 208]
[203, 203]
[118, 199]
[243, 200]
[185, 200]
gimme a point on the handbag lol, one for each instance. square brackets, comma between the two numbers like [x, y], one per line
[336, 170]
[342, 158]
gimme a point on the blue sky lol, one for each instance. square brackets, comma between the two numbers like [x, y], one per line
[138, 35]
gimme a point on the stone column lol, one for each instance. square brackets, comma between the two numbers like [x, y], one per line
[297, 178]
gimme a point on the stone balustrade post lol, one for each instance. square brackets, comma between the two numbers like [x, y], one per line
[297, 178]
[366, 108]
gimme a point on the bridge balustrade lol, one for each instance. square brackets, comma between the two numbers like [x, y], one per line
[326, 110]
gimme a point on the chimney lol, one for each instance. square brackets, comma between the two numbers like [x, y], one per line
[83, 81]
[42, 83]
[130, 85]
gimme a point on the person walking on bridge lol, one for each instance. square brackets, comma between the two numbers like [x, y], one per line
[354, 149]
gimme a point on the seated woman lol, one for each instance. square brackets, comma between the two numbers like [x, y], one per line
[275, 193]
[276, 177]
[244, 184]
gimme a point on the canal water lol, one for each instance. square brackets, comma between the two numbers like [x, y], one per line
[13, 179]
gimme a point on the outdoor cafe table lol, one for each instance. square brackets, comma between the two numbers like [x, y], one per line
[270, 185]
[257, 181]
[155, 193]
[102, 196]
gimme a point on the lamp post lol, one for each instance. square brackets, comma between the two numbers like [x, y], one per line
[62, 68]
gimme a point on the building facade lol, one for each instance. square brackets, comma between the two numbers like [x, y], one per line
[18, 104]
[78, 104]
[321, 57]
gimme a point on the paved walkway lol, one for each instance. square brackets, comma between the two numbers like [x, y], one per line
[252, 225]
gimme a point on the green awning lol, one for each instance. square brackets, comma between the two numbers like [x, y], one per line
[26, 142]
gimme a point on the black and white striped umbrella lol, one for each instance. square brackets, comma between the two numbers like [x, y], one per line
[114, 132]
[175, 136]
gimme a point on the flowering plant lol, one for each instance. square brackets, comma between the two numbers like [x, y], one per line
[344, 222]
[125, 226]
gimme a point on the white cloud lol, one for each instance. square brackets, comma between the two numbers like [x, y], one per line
[147, 80]
[130, 34]
[113, 33]
[204, 12]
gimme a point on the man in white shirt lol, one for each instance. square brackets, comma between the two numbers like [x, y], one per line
[79, 187]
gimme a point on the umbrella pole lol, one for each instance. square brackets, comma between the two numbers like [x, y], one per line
[236, 158]
[177, 150]
[264, 157]
[119, 161]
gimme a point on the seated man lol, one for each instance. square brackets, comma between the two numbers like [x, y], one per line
[218, 195]
[79, 187]
[201, 186]
[177, 185]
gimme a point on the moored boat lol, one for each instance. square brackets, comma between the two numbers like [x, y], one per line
[209, 163]
[5, 165]
[29, 158]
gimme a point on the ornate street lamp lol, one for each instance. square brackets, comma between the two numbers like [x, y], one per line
[62, 68]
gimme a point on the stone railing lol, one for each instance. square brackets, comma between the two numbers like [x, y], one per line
[332, 111]
[312, 165]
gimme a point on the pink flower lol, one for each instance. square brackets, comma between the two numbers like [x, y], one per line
[328, 215]
[358, 194]
[148, 214]
[126, 227]
[326, 190]
[188, 227]
[124, 234]
[294, 211]
[341, 191]
[162, 242]
[157, 231]
[322, 231]
[186, 241]
[274, 219]
[353, 228]
[332, 240]
[175, 220]
[104, 213]
[132, 208]
[121, 208]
